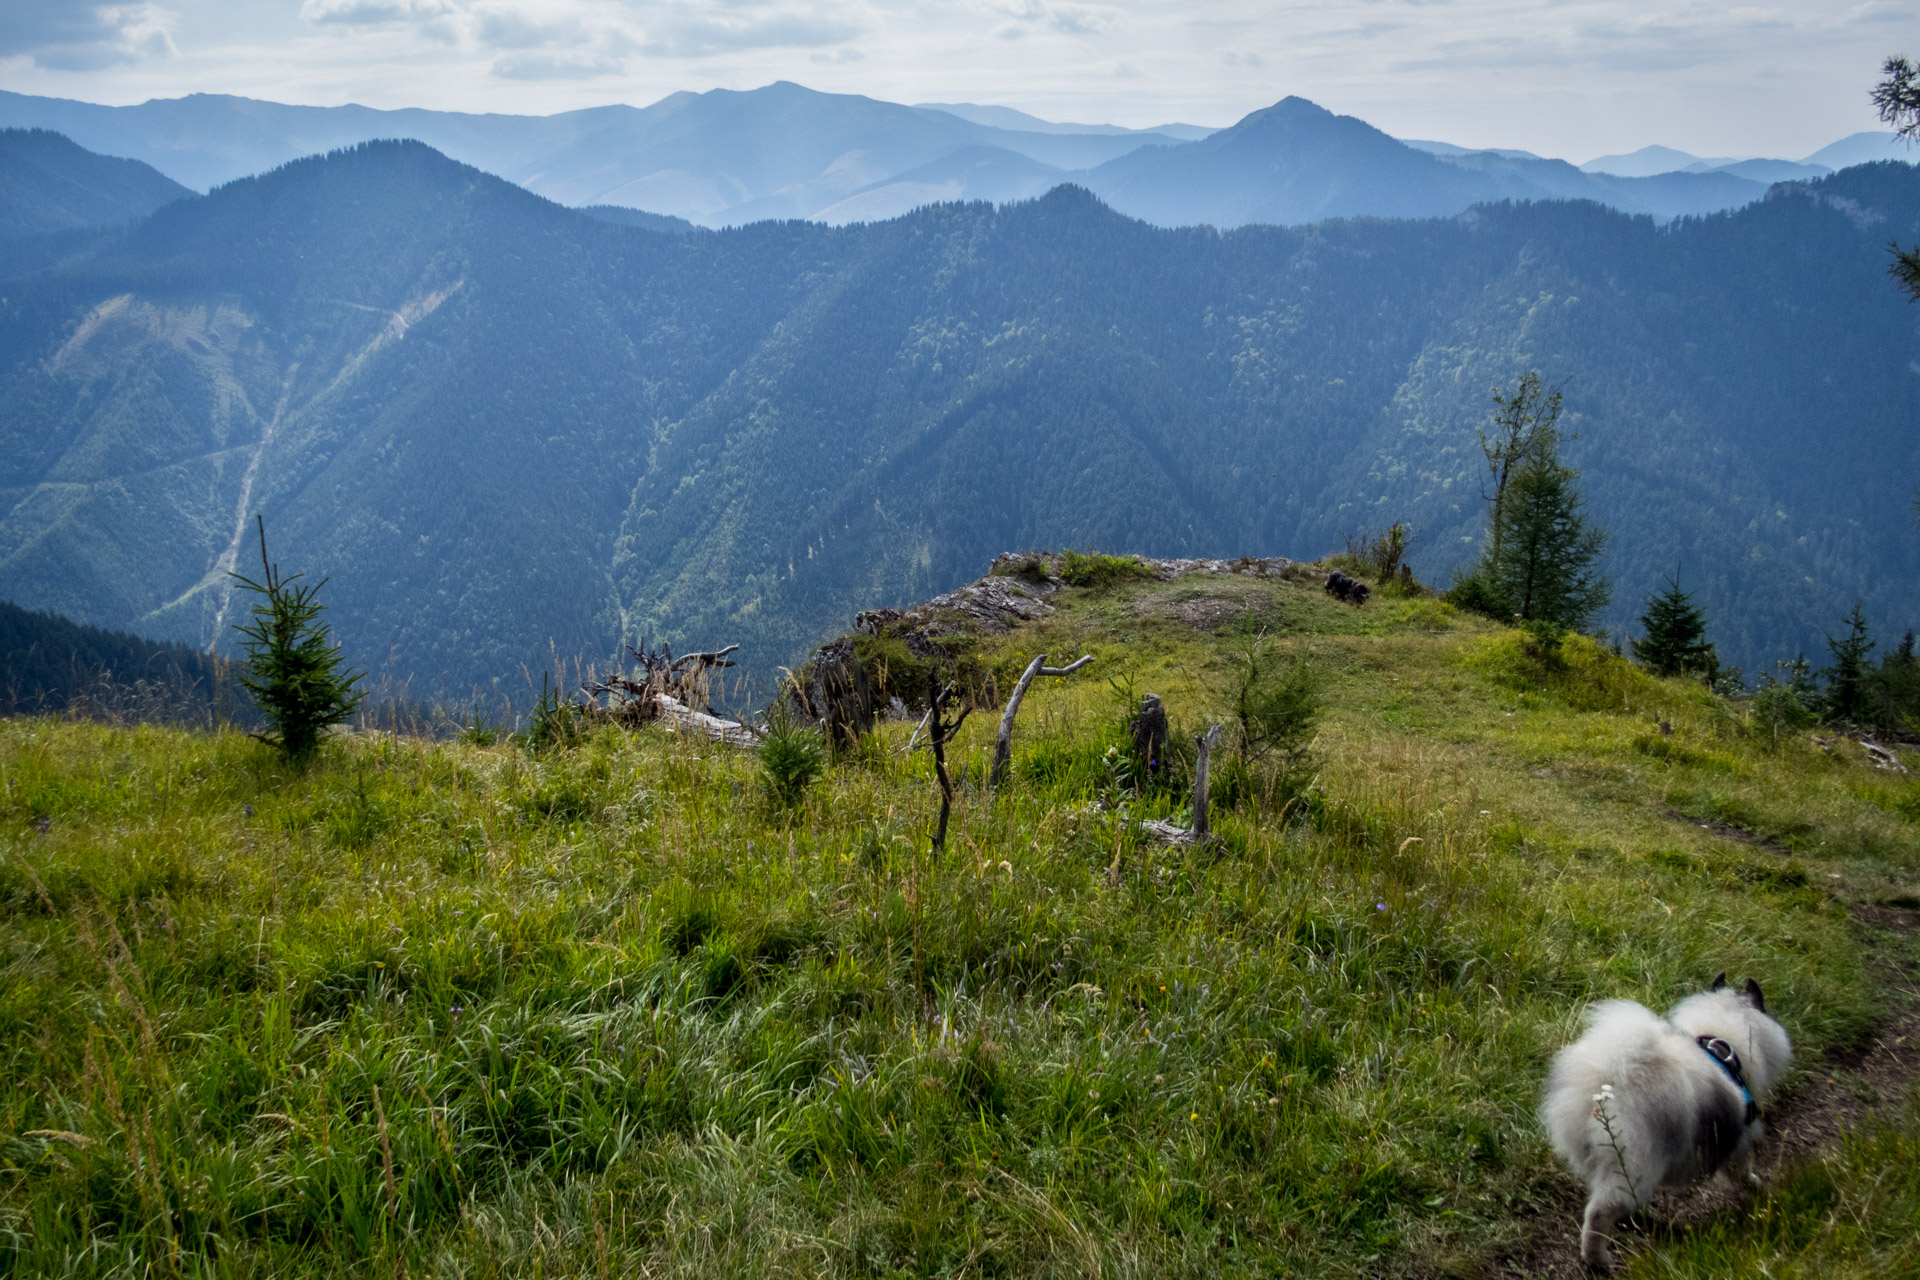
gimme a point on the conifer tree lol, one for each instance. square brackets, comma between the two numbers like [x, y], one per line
[1896, 688]
[1849, 697]
[293, 670]
[1524, 424]
[1543, 565]
[1897, 98]
[1676, 635]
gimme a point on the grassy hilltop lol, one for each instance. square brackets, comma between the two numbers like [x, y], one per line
[468, 1009]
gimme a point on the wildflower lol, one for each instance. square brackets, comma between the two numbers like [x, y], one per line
[1379, 906]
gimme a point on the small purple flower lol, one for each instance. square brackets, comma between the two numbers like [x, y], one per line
[1379, 906]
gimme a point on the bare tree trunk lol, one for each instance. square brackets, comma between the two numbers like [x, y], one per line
[1201, 782]
[1003, 750]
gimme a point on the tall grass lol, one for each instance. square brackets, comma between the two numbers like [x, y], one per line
[465, 1009]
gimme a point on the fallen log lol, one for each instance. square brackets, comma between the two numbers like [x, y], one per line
[682, 718]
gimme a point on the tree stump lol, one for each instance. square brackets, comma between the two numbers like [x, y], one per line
[1149, 730]
[840, 695]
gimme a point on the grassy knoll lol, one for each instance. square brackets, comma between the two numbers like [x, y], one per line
[452, 1009]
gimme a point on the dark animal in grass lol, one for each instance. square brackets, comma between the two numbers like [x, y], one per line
[1641, 1102]
[1351, 590]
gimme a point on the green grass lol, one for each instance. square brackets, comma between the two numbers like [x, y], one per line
[452, 1008]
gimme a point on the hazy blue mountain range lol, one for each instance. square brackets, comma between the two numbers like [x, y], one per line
[726, 158]
[503, 427]
[1296, 162]
[717, 158]
[1008, 118]
[1857, 148]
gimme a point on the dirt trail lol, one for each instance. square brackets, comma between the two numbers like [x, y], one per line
[1835, 1094]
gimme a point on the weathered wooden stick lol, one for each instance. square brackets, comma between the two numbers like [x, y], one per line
[1003, 749]
[1201, 765]
[917, 728]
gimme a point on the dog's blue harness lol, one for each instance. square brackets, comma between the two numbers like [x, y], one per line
[1728, 1061]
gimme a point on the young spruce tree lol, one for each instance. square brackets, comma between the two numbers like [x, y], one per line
[292, 670]
[1539, 562]
[1541, 556]
[1676, 635]
[1850, 690]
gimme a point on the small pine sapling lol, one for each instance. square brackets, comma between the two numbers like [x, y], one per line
[293, 670]
[792, 755]
[1676, 636]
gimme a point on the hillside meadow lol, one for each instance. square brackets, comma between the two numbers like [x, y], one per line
[466, 1008]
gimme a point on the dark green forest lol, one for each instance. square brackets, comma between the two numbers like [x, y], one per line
[505, 429]
[49, 664]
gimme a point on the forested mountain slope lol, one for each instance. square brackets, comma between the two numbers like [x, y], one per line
[49, 184]
[48, 664]
[497, 423]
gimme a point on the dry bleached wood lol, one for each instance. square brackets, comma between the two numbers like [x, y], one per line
[1003, 750]
[682, 717]
[1199, 832]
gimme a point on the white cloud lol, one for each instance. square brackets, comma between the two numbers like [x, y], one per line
[691, 37]
[84, 37]
[1566, 77]
[1068, 19]
[358, 12]
[556, 66]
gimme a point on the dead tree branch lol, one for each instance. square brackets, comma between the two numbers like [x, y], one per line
[941, 733]
[1003, 749]
[676, 690]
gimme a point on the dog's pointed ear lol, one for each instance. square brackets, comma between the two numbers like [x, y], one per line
[1754, 994]
[1719, 982]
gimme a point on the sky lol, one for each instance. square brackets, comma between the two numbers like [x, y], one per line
[1568, 78]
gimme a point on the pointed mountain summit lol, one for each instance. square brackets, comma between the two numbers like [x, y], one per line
[1289, 163]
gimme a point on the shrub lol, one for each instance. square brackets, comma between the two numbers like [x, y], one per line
[792, 756]
[894, 669]
[1381, 554]
[1097, 571]
[556, 722]
[1472, 591]
[1275, 707]
[1779, 711]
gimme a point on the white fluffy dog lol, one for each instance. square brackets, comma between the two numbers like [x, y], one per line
[1641, 1102]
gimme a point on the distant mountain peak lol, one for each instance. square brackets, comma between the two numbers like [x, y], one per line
[1291, 107]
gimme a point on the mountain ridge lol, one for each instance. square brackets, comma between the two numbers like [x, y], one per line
[737, 435]
[728, 157]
